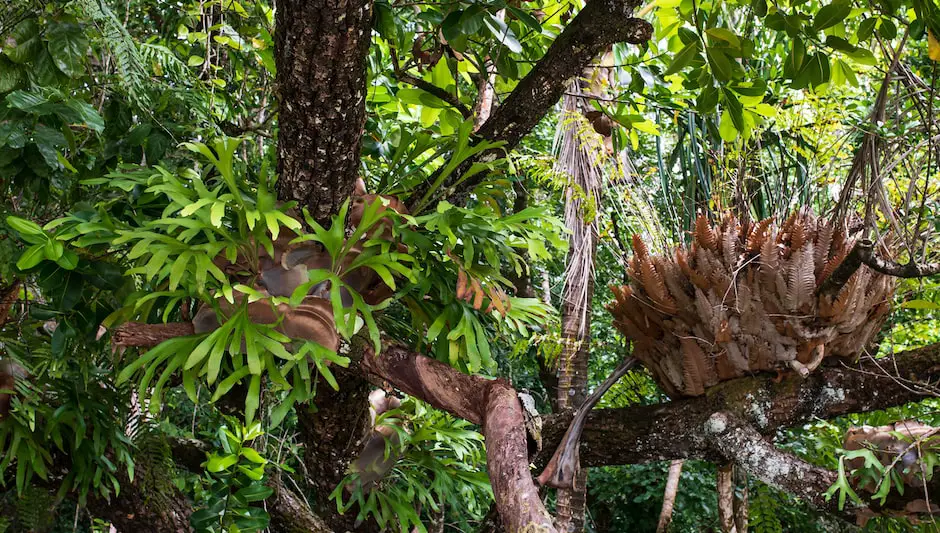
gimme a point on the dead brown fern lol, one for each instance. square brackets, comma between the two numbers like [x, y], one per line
[745, 298]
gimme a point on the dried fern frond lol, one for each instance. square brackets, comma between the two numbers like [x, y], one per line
[744, 299]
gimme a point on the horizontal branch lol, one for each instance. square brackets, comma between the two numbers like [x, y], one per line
[863, 253]
[675, 430]
[141, 335]
[441, 94]
[682, 429]
[890, 268]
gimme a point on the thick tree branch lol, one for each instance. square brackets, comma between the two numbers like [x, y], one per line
[673, 430]
[597, 26]
[863, 253]
[148, 335]
[740, 443]
[491, 403]
[890, 268]
[321, 47]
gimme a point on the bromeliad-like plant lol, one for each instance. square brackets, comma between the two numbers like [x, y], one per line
[747, 297]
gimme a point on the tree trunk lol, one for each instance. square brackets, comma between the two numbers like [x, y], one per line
[321, 47]
[579, 163]
[332, 437]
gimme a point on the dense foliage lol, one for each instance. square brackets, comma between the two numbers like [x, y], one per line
[137, 157]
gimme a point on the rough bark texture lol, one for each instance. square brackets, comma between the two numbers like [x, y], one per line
[332, 435]
[600, 24]
[167, 514]
[490, 403]
[737, 441]
[673, 430]
[148, 335]
[740, 501]
[724, 479]
[321, 47]
[290, 514]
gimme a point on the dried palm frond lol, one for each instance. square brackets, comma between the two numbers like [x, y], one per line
[745, 298]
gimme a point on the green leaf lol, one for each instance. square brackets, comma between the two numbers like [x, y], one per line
[47, 142]
[887, 29]
[88, 114]
[840, 44]
[26, 227]
[25, 101]
[719, 63]
[68, 260]
[253, 456]
[23, 42]
[866, 29]
[253, 398]
[726, 127]
[734, 108]
[218, 463]
[920, 304]
[68, 47]
[502, 33]
[254, 492]
[683, 58]
[31, 257]
[831, 14]
[724, 34]
[11, 76]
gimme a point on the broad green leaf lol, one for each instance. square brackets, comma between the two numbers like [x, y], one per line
[724, 34]
[31, 257]
[920, 304]
[683, 58]
[831, 14]
[68, 48]
[719, 63]
[26, 227]
[23, 42]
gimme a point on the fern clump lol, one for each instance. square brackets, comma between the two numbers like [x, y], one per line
[743, 298]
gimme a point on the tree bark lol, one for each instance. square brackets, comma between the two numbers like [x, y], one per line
[320, 46]
[332, 434]
[490, 403]
[162, 513]
[725, 482]
[674, 430]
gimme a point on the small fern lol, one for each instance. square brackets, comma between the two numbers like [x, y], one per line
[763, 511]
[34, 509]
[154, 466]
[127, 58]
